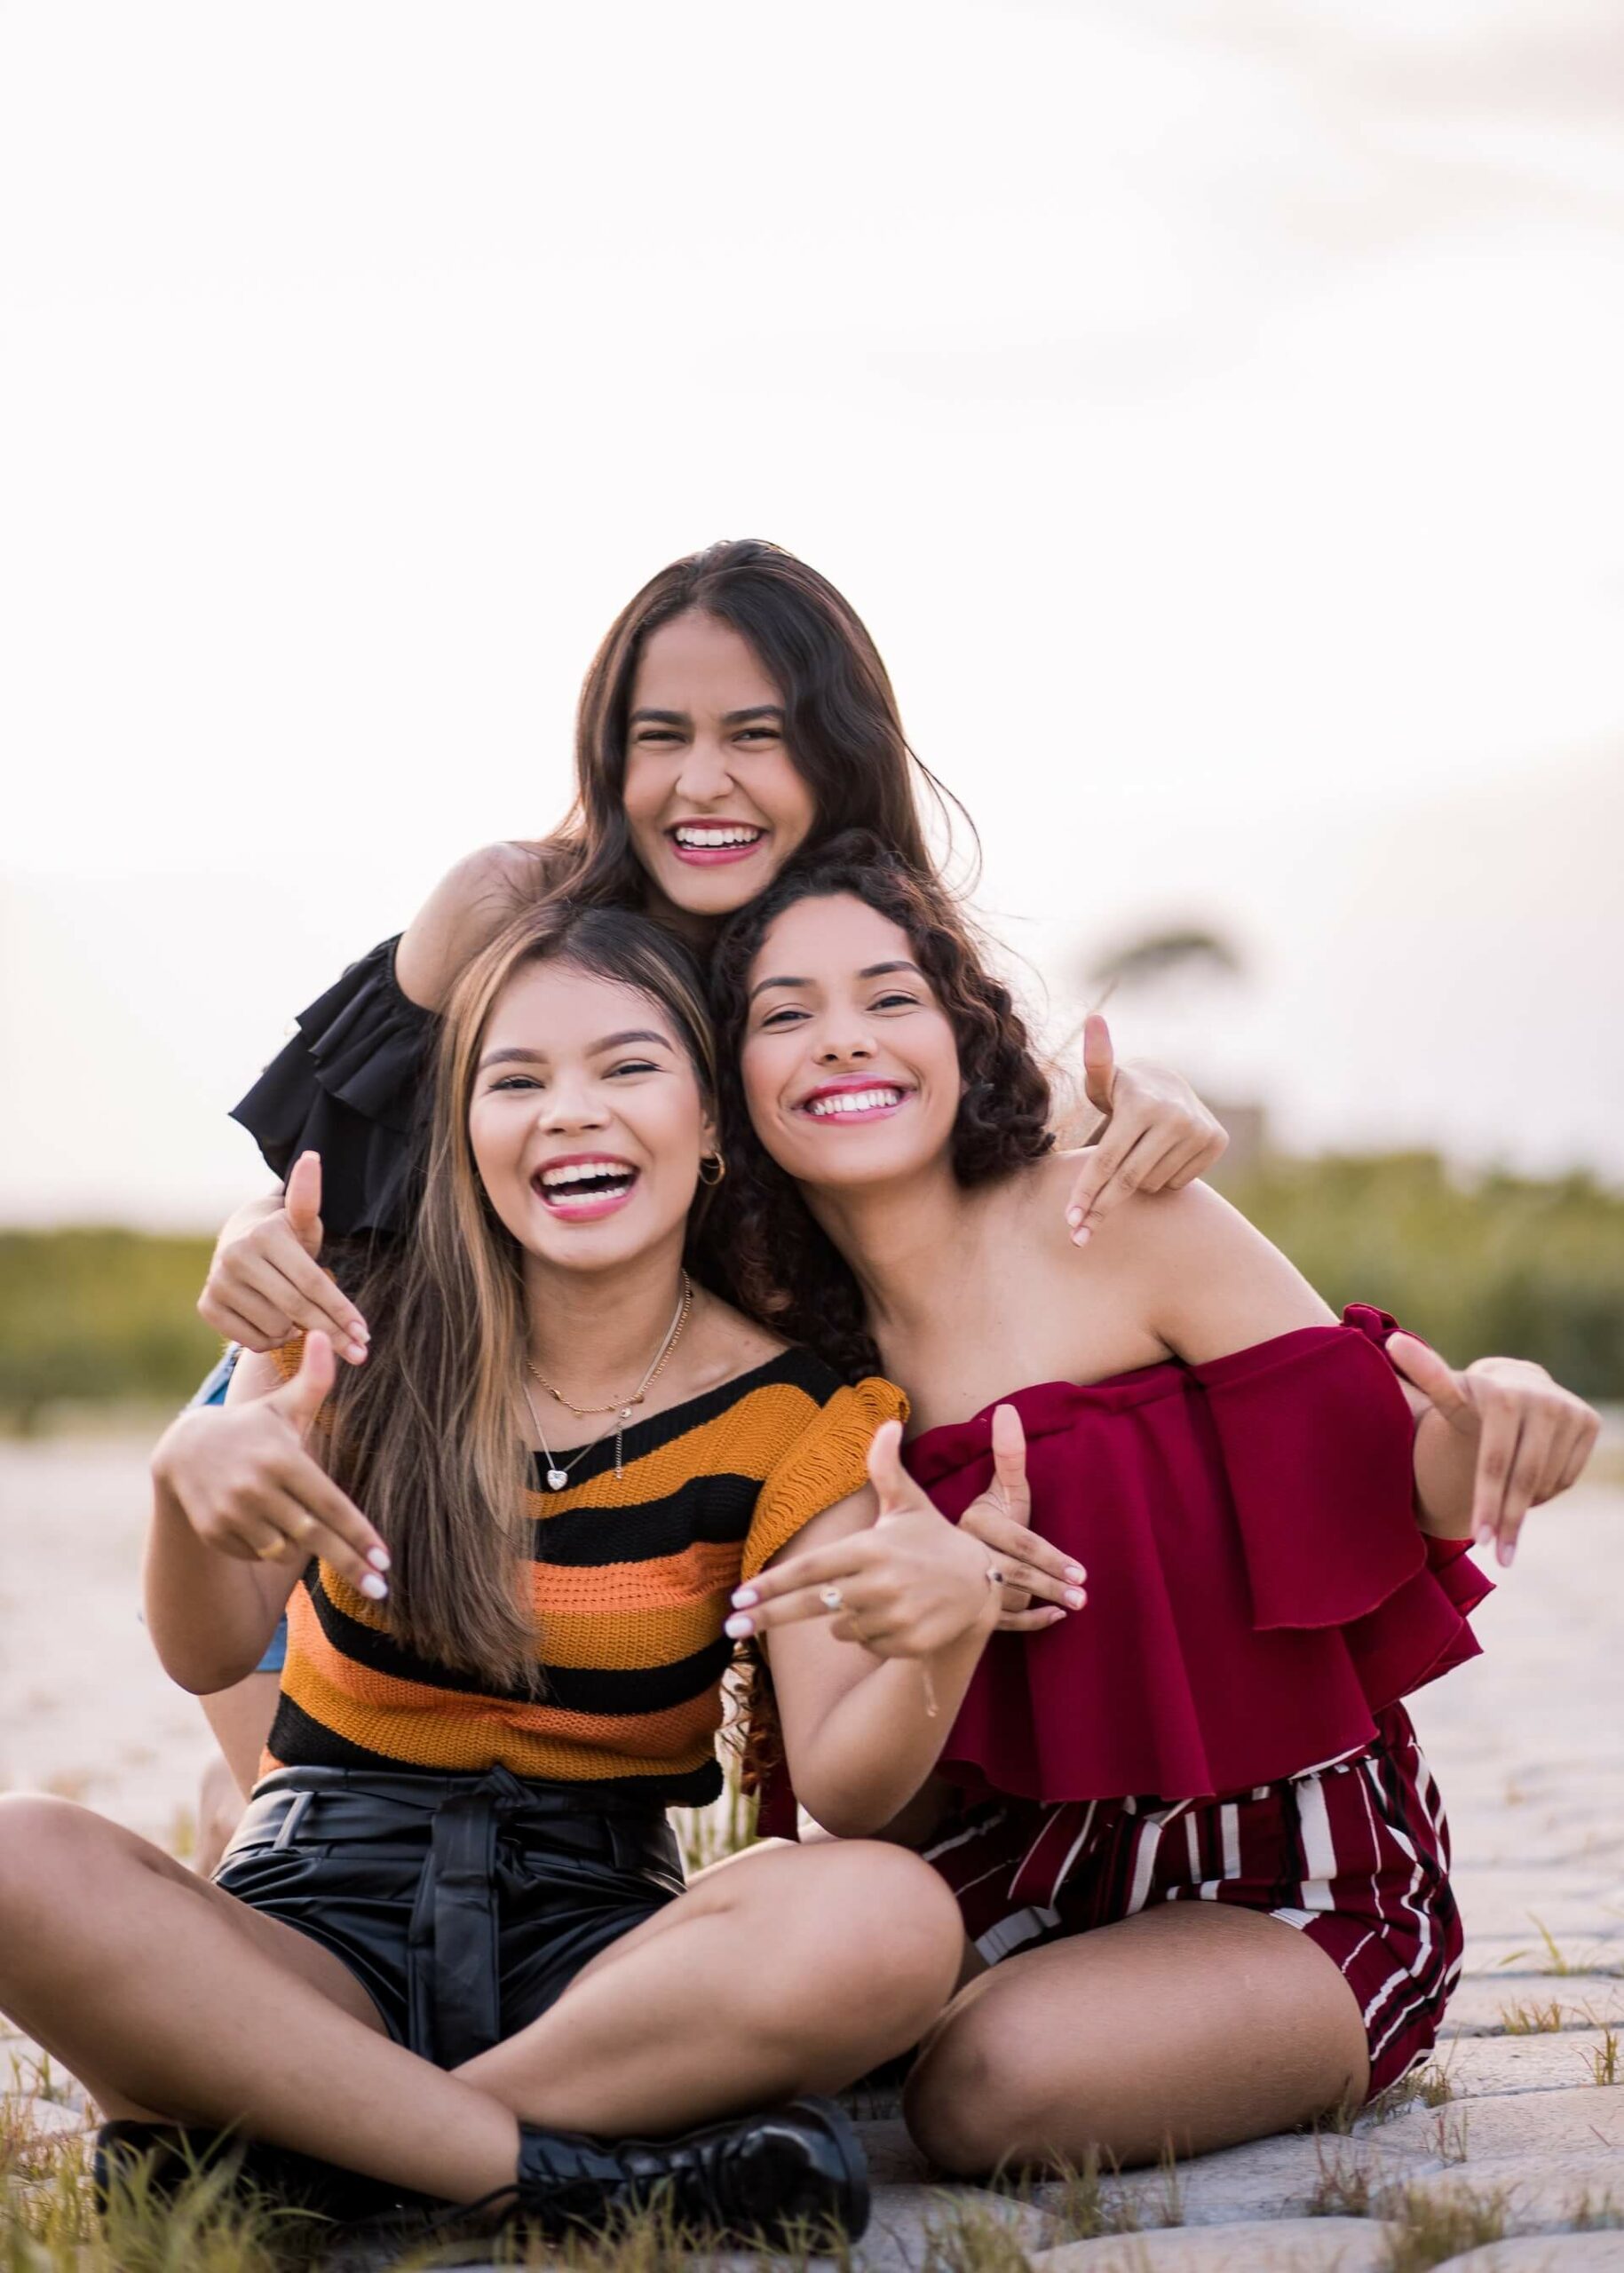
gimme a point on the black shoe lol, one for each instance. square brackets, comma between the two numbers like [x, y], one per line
[795, 2174]
[158, 2159]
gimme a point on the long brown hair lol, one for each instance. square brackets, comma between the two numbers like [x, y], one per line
[763, 1244]
[426, 1435]
[842, 723]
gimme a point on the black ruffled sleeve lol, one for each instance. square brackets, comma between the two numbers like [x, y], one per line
[352, 1085]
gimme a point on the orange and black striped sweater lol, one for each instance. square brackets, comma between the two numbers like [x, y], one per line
[631, 1580]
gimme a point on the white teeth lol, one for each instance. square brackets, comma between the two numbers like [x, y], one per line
[707, 840]
[854, 1101]
[578, 1172]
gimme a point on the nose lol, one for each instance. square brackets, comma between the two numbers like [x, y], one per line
[843, 1041]
[572, 1101]
[705, 776]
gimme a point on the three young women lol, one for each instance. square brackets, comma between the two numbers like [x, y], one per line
[448, 1956]
[736, 712]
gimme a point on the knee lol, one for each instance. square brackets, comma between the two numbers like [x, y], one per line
[975, 2103]
[911, 1932]
[44, 1844]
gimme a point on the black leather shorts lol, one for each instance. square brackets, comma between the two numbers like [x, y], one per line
[464, 1906]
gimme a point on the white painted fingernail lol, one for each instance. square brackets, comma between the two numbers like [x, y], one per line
[378, 1556]
[1075, 1573]
[1073, 1216]
[1074, 1598]
[745, 1597]
[738, 1626]
[374, 1587]
[1081, 1237]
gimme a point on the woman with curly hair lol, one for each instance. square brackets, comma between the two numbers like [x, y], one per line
[1201, 1864]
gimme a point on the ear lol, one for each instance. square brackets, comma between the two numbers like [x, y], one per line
[710, 1136]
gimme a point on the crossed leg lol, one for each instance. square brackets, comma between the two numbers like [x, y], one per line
[1193, 2026]
[169, 1997]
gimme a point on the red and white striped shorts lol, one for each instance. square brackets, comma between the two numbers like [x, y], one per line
[1355, 1854]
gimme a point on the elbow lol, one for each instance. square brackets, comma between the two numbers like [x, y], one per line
[844, 1814]
[205, 1672]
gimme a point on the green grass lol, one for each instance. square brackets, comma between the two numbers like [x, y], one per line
[1532, 1268]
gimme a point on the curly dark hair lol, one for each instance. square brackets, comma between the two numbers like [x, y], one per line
[761, 1244]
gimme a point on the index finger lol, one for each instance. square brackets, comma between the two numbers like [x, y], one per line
[325, 1507]
[312, 1301]
[842, 1559]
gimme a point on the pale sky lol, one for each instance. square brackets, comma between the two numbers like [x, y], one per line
[1211, 405]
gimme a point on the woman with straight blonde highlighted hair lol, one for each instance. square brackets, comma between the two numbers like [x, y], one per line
[447, 1967]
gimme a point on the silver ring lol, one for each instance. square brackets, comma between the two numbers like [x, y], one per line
[831, 1598]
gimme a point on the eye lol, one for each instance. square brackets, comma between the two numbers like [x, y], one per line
[516, 1081]
[656, 734]
[757, 734]
[789, 1012]
[896, 1001]
[633, 1065]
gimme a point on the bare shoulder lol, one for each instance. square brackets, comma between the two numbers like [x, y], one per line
[1214, 1282]
[469, 905]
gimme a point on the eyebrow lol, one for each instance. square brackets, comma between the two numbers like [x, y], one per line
[869, 971]
[520, 1056]
[729, 718]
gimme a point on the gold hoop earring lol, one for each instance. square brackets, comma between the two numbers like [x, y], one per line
[717, 1164]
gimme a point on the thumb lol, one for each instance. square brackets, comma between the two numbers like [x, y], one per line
[1426, 1371]
[1098, 1062]
[886, 1473]
[1010, 1463]
[302, 1199]
[300, 1399]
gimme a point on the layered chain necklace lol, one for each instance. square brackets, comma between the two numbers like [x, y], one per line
[621, 1407]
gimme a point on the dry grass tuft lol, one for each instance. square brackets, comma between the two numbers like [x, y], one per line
[1605, 2058]
[1429, 2229]
[1531, 2020]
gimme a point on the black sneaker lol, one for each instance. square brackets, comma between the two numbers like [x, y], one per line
[796, 2173]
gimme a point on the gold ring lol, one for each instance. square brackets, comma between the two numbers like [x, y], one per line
[270, 1554]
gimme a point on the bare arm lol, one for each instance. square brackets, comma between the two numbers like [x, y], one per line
[866, 1696]
[238, 1507]
[464, 913]
[1490, 1442]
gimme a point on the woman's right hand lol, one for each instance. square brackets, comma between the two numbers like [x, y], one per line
[265, 1284]
[247, 1488]
[1040, 1583]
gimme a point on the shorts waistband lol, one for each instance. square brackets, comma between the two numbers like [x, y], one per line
[455, 1822]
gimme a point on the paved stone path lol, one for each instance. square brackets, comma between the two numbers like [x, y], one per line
[1517, 2128]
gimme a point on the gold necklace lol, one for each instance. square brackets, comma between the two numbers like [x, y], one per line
[625, 1407]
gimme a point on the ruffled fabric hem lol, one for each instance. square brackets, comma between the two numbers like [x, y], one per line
[351, 1085]
[1259, 1587]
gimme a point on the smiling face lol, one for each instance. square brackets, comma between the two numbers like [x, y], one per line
[713, 800]
[850, 1065]
[586, 1122]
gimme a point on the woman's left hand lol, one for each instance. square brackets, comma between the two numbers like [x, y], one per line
[910, 1585]
[1528, 1437]
[1158, 1136]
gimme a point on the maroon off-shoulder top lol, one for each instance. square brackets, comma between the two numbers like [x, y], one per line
[1258, 1587]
